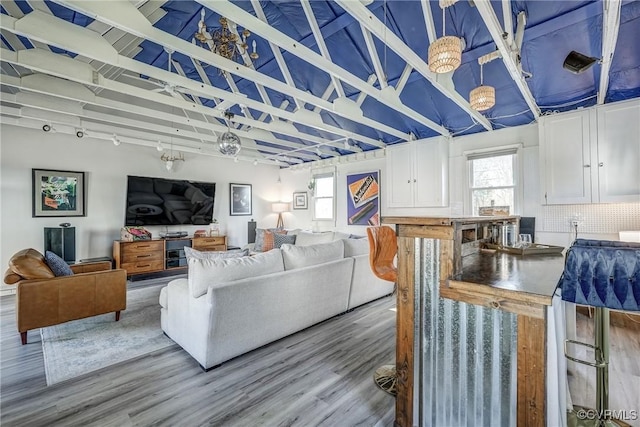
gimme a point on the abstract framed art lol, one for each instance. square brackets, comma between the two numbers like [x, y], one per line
[240, 199]
[300, 200]
[363, 199]
[58, 193]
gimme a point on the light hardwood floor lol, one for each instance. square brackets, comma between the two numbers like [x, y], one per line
[320, 376]
[624, 367]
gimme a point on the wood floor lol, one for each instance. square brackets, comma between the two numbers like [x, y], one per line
[320, 376]
[624, 367]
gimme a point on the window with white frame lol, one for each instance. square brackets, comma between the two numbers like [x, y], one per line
[324, 196]
[493, 180]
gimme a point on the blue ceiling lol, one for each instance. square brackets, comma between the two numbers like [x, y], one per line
[553, 29]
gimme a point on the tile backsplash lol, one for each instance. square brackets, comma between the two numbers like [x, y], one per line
[606, 218]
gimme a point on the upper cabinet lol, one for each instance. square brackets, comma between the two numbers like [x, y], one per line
[591, 156]
[417, 174]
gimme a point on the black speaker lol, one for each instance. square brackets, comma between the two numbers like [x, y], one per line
[251, 231]
[62, 242]
[528, 226]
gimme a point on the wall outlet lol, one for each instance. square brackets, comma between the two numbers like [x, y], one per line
[576, 220]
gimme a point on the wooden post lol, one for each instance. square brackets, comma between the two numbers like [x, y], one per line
[531, 371]
[404, 332]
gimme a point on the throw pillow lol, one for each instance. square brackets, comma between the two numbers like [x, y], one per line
[355, 247]
[205, 273]
[264, 242]
[303, 256]
[281, 239]
[57, 264]
[194, 253]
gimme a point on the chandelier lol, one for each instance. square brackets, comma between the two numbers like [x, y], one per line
[225, 41]
[229, 143]
[445, 53]
[483, 97]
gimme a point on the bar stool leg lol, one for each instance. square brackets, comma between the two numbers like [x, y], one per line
[601, 319]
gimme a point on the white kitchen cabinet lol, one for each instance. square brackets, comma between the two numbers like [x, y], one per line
[417, 174]
[591, 156]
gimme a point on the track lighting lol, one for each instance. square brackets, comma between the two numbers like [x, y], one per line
[80, 133]
[159, 147]
[115, 140]
[255, 162]
[46, 127]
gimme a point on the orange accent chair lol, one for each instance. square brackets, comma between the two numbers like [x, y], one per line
[45, 300]
[383, 247]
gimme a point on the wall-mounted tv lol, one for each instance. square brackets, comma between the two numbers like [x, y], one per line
[160, 201]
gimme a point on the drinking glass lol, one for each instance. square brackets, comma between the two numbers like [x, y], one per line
[524, 240]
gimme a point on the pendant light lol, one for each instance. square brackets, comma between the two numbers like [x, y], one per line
[483, 97]
[229, 143]
[445, 53]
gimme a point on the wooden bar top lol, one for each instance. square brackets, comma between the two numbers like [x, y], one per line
[533, 274]
[445, 220]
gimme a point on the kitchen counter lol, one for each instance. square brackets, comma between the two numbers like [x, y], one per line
[480, 320]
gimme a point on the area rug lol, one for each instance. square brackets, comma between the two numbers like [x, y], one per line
[81, 346]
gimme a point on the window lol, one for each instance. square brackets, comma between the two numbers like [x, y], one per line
[493, 180]
[323, 197]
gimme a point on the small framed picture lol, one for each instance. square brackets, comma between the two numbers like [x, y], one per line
[300, 200]
[58, 193]
[240, 199]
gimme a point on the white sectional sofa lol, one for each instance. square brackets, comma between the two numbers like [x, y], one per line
[227, 307]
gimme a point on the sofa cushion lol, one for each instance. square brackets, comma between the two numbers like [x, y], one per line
[194, 253]
[215, 272]
[338, 235]
[305, 238]
[355, 247]
[303, 256]
[282, 239]
[30, 264]
[57, 264]
[163, 297]
[260, 245]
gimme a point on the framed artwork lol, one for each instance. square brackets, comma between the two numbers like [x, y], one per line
[363, 198]
[240, 199]
[58, 193]
[300, 200]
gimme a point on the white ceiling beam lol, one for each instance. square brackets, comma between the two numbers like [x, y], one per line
[508, 57]
[90, 44]
[228, 9]
[81, 94]
[325, 95]
[404, 78]
[12, 8]
[610, 27]
[317, 35]
[375, 58]
[377, 28]
[507, 18]
[428, 20]
[362, 96]
[161, 132]
[125, 16]
[277, 54]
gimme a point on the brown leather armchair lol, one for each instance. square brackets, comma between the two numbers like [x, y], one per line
[45, 300]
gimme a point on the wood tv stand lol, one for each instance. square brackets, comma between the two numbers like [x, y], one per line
[152, 256]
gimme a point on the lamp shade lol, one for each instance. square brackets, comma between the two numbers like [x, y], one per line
[445, 54]
[482, 98]
[280, 207]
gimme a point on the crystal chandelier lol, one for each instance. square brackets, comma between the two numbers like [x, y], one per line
[229, 143]
[445, 53]
[225, 41]
[483, 97]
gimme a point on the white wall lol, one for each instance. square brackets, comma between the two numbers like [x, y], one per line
[601, 221]
[107, 167]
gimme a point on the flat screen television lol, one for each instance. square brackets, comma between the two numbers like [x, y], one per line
[161, 201]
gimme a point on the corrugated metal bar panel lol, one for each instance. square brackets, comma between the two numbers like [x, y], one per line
[466, 368]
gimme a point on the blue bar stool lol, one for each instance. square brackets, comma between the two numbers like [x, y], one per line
[605, 275]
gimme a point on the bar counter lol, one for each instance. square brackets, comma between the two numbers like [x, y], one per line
[472, 326]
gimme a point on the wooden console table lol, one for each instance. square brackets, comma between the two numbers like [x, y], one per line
[152, 256]
[471, 330]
